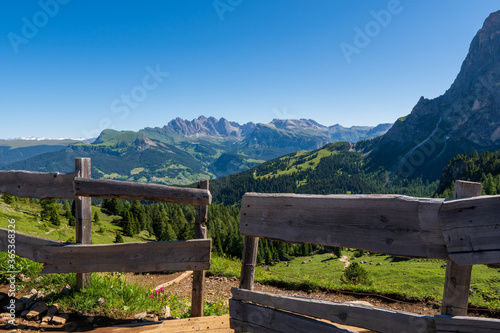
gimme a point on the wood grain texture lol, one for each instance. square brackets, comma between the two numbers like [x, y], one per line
[457, 279]
[212, 324]
[256, 318]
[368, 317]
[445, 324]
[27, 246]
[129, 257]
[102, 188]
[248, 262]
[395, 225]
[200, 232]
[83, 217]
[471, 229]
[40, 185]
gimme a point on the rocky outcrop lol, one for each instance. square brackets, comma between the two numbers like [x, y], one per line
[466, 117]
[203, 126]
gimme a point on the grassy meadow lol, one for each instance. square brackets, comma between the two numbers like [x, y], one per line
[397, 278]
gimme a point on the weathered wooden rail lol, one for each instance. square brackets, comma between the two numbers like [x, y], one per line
[83, 257]
[464, 231]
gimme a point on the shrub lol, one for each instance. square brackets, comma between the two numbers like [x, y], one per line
[355, 274]
[8, 199]
[118, 238]
[337, 251]
[358, 253]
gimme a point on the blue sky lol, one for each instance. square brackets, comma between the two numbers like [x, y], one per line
[71, 68]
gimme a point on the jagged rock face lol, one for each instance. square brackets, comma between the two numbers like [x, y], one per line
[296, 125]
[211, 126]
[466, 117]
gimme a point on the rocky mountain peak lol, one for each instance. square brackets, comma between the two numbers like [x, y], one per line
[296, 125]
[466, 117]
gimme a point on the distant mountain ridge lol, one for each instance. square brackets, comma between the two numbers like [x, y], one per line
[187, 150]
[212, 126]
[465, 118]
[18, 149]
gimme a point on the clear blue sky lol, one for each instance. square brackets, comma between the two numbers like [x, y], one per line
[74, 69]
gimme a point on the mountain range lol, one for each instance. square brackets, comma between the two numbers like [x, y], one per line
[414, 153]
[416, 148]
[19, 149]
[186, 150]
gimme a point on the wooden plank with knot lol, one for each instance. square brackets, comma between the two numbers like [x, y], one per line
[40, 185]
[395, 225]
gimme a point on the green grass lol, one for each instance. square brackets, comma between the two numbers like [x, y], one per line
[121, 298]
[110, 294]
[309, 164]
[398, 278]
[27, 217]
[136, 171]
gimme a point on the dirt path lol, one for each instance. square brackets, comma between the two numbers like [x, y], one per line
[345, 259]
[219, 288]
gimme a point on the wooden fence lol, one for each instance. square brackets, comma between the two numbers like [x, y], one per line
[464, 231]
[83, 257]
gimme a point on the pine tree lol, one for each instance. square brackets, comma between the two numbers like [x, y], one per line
[169, 234]
[54, 218]
[118, 238]
[96, 217]
[8, 199]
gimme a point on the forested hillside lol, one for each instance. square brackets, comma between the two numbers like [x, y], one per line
[333, 169]
[475, 167]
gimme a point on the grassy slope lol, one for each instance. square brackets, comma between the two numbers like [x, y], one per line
[399, 278]
[293, 166]
[122, 299]
[27, 220]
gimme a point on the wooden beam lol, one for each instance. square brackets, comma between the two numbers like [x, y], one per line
[457, 279]
[128, 257]
[83, 217]
[256, 318]
[40, 185]
[368, 317]
[212, 324]
[445, 324]
[249, 261]
[470, 228]
[102, 188]
[395, 225]
[27, 246]
[200, 231]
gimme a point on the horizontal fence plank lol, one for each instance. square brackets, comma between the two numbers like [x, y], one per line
[40, 185]
[248, 317]
[490, 258]
[61, 257]
[395, 225]
[369, 317]
[129, 257]
[26, 246]
[445, 324]
[102, 188]
[243, 326]
[471, 229]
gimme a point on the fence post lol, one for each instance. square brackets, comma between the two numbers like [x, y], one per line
[457, 279]
[83, 215]
[249, 261]
[200, 232]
